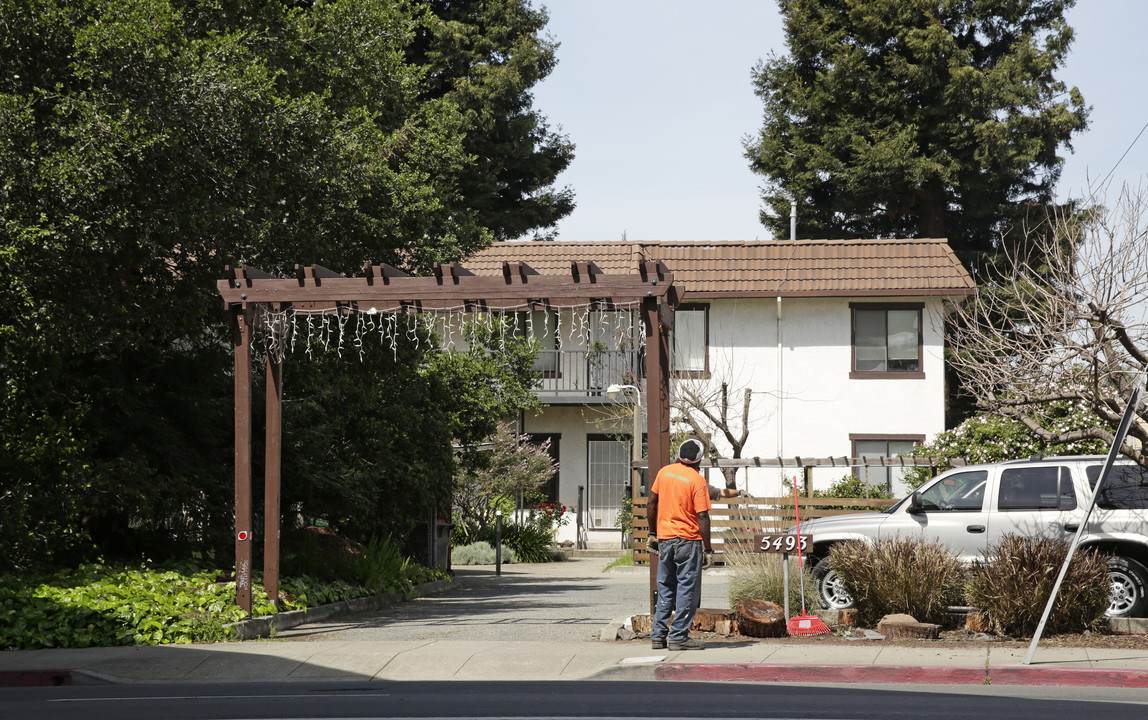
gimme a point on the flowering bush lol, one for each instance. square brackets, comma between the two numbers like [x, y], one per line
[991, 438]
[511, 468]
[549, 517]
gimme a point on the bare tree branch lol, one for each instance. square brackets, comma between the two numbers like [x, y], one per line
[1063, 319]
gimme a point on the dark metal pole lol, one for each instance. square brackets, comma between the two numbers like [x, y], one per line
[498, 542]
[578, 520]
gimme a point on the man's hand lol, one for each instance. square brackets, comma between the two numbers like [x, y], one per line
[708, 559]
[652, 545]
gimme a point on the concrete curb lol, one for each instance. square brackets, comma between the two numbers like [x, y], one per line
[35, 678]
[265, 625]
[900, 675]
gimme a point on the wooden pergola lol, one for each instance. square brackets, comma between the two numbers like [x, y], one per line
[384, 289]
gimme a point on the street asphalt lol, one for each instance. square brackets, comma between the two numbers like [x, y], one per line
[556, 621]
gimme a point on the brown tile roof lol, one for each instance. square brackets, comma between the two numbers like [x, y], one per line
[763, 268]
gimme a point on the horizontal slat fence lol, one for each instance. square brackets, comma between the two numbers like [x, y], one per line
[733, 521]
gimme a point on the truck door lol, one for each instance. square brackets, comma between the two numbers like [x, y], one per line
[953, 512]
[1034, 501]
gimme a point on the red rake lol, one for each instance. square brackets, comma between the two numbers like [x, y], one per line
[803, 624]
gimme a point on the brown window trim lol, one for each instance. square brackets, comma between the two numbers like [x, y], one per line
[854, 437]
[878, 374]
[696, 374]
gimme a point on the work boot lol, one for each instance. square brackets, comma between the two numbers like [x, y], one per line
[658, 643]
[688, 644]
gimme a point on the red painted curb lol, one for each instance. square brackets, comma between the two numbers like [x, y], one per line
[899, 674]
[35, 678]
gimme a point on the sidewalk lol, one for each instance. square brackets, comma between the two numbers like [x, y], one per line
[319, 654]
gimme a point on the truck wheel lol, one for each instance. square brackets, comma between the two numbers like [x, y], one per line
[830, 589]
[1126, 596]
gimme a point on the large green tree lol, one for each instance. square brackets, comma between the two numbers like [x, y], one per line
[484, 56]
[144, 144]
[914, 118]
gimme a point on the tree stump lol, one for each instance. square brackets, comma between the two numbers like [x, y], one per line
[760, 618]
[713, 620]
[900, 626]
[848, 617]
[721, 622]
[642, 624]
[978, 622]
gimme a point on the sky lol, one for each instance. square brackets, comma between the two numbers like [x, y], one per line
[657, 97]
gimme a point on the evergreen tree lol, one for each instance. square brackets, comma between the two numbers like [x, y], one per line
[914, 118]
[484, 56]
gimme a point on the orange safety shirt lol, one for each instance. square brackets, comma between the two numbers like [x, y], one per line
[682, 494]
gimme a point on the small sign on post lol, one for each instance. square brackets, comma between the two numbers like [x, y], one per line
[781, 542]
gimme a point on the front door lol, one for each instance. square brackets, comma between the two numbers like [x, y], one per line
[609, 477]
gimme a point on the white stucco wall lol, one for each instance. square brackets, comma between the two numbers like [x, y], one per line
[809, 408]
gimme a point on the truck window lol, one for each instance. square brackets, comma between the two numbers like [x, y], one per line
[960, 492]
[1036, 488]
[1125, 489]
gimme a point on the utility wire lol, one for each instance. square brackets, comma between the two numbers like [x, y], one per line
[1124, 155]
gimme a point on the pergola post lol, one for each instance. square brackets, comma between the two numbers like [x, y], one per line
[658, 323]
[271, 478]
[242, 342]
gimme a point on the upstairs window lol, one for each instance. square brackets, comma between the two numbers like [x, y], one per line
[887, 341]
[691, 341]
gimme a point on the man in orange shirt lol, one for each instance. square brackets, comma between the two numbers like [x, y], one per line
[679, 511]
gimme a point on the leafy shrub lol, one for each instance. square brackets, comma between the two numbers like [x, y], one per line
[1012, 584]
[626, 514]
[103, 605]
[328, 561]
[851, 486]
[530, 543]
[98, 605]
[761, 576]
[479, 553]
[899, 575]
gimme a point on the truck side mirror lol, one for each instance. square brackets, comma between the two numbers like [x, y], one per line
[915, 505]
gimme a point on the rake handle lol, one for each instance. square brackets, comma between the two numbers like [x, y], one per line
[800, 565]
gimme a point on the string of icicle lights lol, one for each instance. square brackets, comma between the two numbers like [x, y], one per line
[346, 328]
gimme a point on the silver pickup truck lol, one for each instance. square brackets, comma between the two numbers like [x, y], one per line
[971, 507]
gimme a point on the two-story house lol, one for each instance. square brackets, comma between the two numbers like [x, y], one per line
[839, 343]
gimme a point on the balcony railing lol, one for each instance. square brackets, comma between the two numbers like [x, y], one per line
[573, 376]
